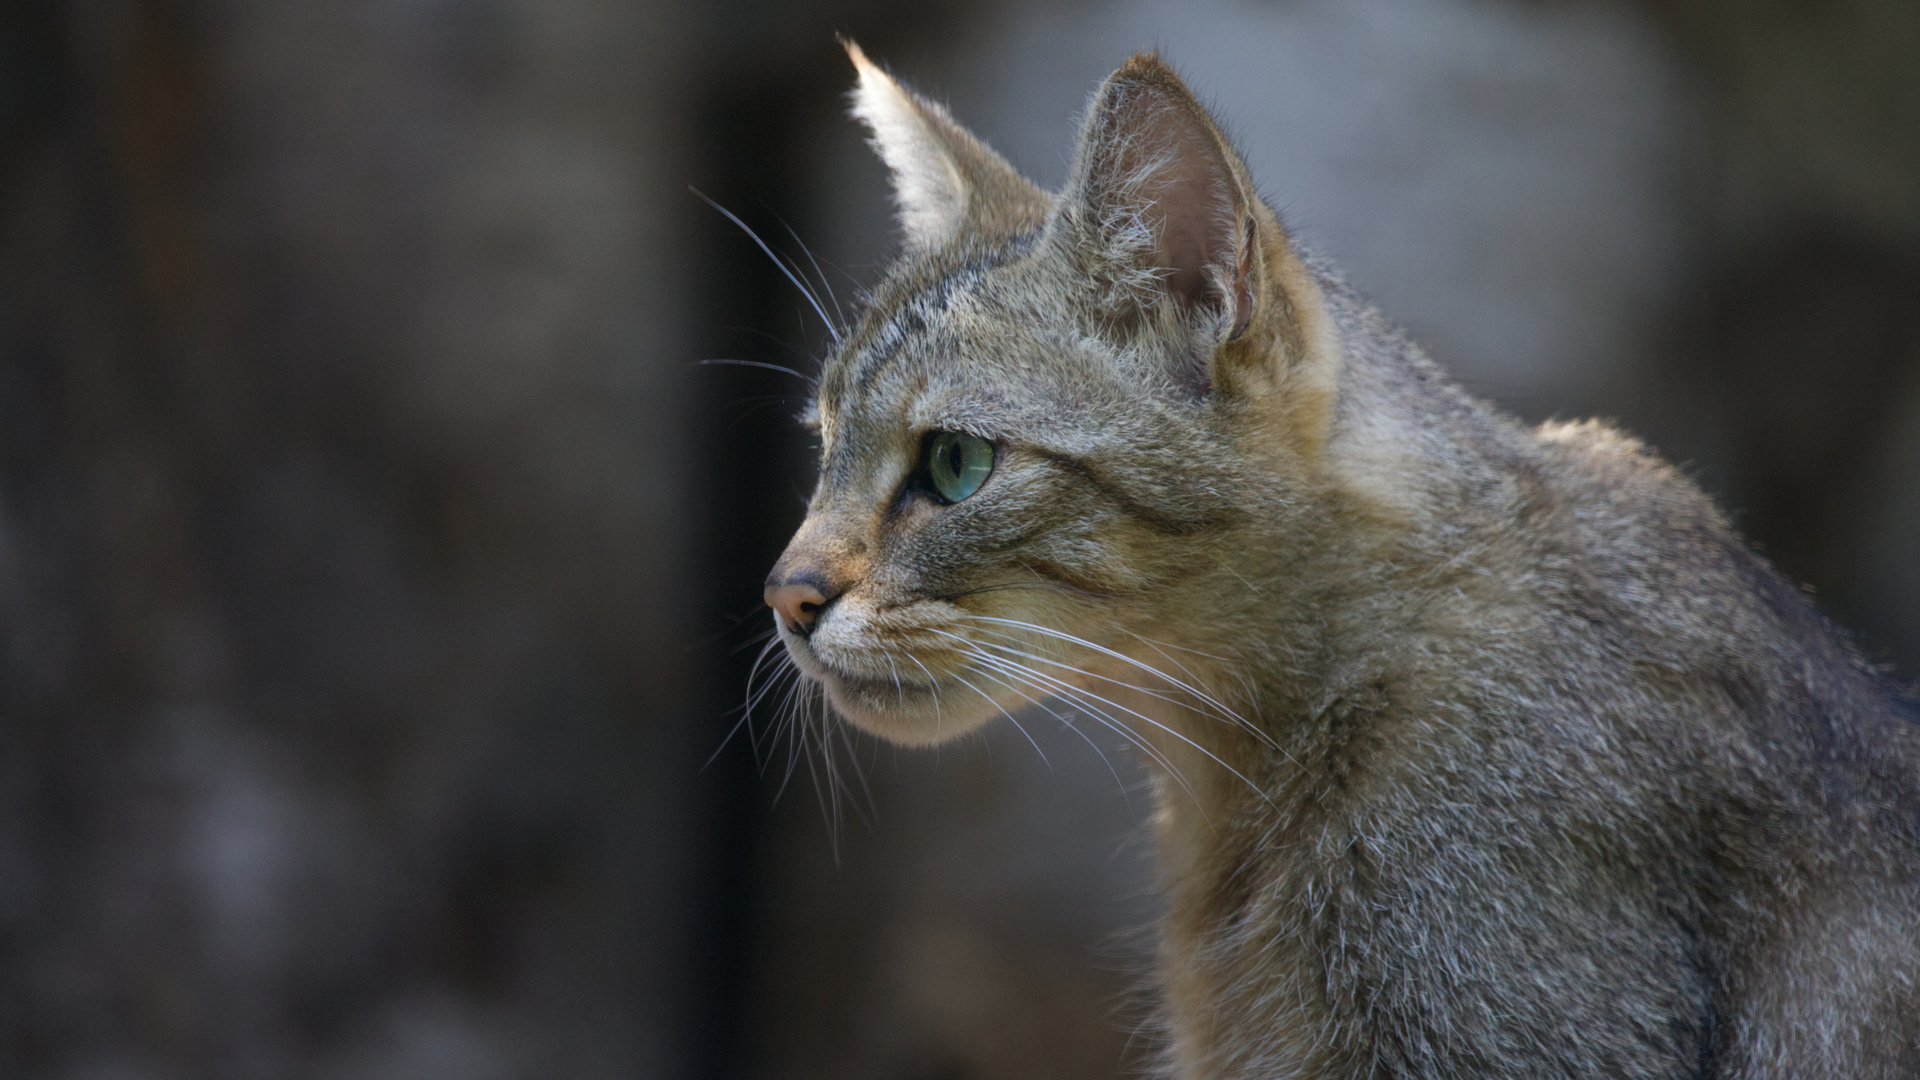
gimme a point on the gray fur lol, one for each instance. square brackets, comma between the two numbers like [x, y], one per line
[1483, 750]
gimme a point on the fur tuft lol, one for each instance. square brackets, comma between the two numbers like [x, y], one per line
[946, 183]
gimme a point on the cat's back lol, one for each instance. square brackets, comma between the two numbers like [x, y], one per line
[1585, 574]
[1705, 744]
[1659, 604]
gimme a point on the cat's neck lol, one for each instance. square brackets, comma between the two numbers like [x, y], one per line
[1322, 591]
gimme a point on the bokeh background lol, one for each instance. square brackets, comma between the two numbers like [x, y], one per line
[375, 557]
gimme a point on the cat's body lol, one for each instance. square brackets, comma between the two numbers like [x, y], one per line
[1481, 750]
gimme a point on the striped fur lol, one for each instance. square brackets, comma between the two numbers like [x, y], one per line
[1482, 751]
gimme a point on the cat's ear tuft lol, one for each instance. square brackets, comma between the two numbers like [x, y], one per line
[947, 183]
[1159, 210]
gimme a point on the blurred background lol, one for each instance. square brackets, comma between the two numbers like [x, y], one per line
[375, 558]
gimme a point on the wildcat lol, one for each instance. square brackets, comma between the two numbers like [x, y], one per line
[1479, 750]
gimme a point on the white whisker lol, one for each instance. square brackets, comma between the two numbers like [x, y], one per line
[1003, 712]
[792, 723]
[751, 700]
[1075, 693]
[1089, 674]
[898, 690]
[832, 327]
[1013, 683]
[839, 314]
[1120, 656]
[933, 687]
[1221, 710]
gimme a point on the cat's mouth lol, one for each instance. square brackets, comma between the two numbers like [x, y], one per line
[898, 696]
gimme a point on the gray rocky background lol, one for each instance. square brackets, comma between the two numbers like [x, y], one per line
[373, 555]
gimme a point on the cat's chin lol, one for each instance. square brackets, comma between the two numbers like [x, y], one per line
[905, 713]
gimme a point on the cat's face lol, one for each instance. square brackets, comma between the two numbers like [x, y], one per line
[1053, 415]
[1002, 496]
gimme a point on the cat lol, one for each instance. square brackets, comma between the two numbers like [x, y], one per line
[1479, 749]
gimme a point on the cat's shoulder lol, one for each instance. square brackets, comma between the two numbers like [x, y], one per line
[1596, 461]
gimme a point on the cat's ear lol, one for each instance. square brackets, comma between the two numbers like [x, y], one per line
[946, 182]
[1160, 215]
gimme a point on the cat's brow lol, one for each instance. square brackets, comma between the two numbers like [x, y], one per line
[911, 320]
[922, 310]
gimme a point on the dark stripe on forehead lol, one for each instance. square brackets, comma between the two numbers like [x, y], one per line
[911, 319]
[884, 348]
[1155, 518]
[922, 308]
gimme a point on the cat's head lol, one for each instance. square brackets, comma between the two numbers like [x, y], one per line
[1058, 416]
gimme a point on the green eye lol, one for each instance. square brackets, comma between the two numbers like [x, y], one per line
[958, 463]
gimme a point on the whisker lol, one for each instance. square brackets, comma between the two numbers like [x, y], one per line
[898, 690]
[1013, 683]
[1104, 651]
[1090, 674]
[827, 794]
[933, 687]
[843, 793]
[775, 339]
[783, 672]
[1225, 712]
[818, 273]
[752, 640]
[832, 328]
[803, 719]
[759, 661]
[1221, 711]
[853, 758]
[823, 770]
[1181, 648]
[1059, 688]
[784, 370]
[745, 708]
[1003, 712]
[734, 619]
[758, 405]
[793, 725]
[1078, 697]
[1169, 657]
[1075, 691]
[1237, 668]
[789, 677]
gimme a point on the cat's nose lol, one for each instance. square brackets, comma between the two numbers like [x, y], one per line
[799, 600]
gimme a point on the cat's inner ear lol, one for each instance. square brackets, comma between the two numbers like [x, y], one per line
[947, 183]
[1157, 206]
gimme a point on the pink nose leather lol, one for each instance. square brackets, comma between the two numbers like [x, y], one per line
[797, 603]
